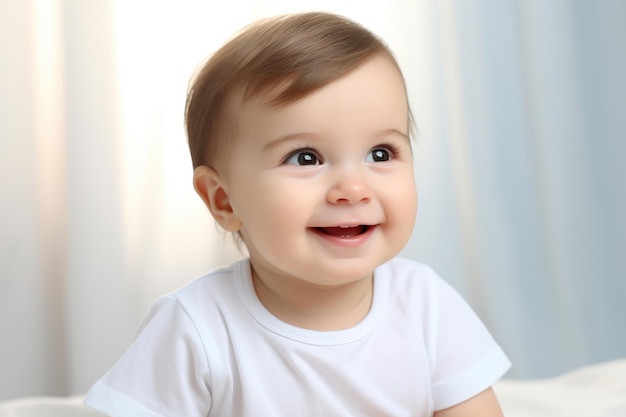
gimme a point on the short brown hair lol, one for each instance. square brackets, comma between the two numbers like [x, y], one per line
[301, 53]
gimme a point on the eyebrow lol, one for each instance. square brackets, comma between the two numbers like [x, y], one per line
[286, 138]
[390, 132]
[303, 135]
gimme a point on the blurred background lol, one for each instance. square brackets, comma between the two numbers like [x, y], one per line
[520, 162]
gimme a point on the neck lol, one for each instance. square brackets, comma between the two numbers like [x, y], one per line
[315, 307]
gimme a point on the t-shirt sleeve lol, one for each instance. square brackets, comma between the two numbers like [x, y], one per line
[465, 359]
[163, 373]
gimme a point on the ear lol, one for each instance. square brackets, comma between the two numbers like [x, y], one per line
[210, 187]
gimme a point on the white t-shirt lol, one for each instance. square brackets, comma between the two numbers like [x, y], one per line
[212, 349]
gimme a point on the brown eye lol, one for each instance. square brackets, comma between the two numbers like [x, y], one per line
[379, 155]
[303, 157]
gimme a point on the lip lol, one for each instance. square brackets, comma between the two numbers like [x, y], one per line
[348, 240]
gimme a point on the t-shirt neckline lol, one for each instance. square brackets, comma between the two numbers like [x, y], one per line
[257, 310]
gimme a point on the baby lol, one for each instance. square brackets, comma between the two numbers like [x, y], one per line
[299, 134]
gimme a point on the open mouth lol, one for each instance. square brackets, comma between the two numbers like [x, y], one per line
[344, 232]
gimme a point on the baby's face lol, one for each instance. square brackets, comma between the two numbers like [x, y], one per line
[324, 187]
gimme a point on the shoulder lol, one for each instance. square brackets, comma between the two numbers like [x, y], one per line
[219, 285]
[410, 279]
[406, 268]
[205, 299]
[217, 280]
[450, 330]
[413, 291]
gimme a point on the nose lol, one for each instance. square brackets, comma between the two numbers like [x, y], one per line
[349, 188]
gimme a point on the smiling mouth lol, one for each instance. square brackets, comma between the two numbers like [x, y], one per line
[344, 232]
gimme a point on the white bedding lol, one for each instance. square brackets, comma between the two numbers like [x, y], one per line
[47, 407]
[593, 391]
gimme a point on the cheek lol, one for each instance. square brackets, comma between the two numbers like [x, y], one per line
[274, 207]
[411, 197]
[401, 200]
[405, 210]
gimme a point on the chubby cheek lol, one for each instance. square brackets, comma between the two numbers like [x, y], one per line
[410, 212]
[401, 209]
[274, 212]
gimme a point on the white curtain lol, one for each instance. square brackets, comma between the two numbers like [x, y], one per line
[519, 161]
[523, 200]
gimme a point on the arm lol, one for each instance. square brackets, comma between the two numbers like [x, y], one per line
[484, 404]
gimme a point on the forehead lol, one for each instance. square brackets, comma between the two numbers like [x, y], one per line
[370, 97]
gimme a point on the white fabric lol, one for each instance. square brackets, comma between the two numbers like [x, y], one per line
[213, 346]
[47, 407]
[594, 391]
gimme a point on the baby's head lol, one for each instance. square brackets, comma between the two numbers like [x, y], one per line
[299, 135]
[283, 59]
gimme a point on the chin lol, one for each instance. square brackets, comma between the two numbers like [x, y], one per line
[351, 271]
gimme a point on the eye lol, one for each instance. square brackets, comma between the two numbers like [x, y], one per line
[380, 154]
[303, 157]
